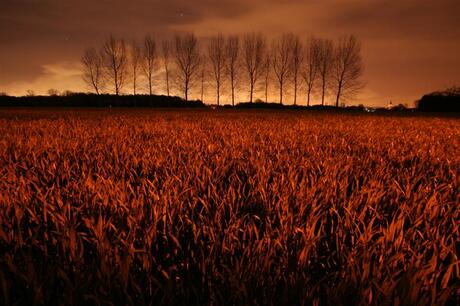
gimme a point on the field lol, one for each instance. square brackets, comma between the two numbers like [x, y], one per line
[143, 207]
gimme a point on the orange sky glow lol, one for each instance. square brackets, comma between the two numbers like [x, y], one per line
[410, 47]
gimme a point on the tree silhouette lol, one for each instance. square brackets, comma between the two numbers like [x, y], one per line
[311, 65]
[216, 53]
[149, 60]
[253, 55]
[325, 61]
[296, 63]
[330, 68]
[53, 92]
[347, 68]
[267, 64]
[166, 54]
[92, 69]
[115, 60]
[232, 50]
[135, 57]
[282, 60]
[187, 56]
[202, 80]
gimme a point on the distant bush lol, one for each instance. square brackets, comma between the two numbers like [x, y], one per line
[260, 104]
[441, 101]
[92, 100]
[270, 105]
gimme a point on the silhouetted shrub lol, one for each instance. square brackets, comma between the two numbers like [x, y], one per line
[442, 101]
[92, 100]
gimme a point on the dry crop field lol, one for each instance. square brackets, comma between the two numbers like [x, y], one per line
[144, 207]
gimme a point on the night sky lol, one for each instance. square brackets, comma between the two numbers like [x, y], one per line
[410, 47]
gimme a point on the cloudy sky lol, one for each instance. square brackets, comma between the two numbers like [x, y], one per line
[410, 47]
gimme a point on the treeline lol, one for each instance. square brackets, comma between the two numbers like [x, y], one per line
[92, 100]
[441, 101]
[248, 63]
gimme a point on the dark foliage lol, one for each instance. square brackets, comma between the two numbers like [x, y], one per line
[263, 105]
[91, 100]
[444, 101]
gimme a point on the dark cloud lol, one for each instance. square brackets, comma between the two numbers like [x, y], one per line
[40, 19]
[59, 30]
[417, 19]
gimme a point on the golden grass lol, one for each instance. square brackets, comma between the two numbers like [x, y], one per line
[142, 207]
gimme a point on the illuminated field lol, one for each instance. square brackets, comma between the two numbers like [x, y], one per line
[225, 207]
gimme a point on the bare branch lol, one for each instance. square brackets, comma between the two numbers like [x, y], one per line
[149, 60]
[92, 69]
[325, 61]
[297, 57]
[216, 53]
[188, 59]
[347, 68]
[253, 52]
[282, 61]
[166, 54]
[232, 51]
[135, 55]
[310, 69]
[115, 62]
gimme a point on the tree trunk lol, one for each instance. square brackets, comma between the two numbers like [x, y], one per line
[295, 92]
[322, 94]
[150, 85]
[233, 91]
[339, 92]
[167, 82]
[202, 88]
[134, 85]
[281, 93]
[218, 95]
[266, 91]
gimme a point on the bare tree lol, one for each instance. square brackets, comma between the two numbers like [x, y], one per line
[187, 56]
[166, 54]
[311, 65]
[92, 69]
[203, 76]
[202, 80]
[325, 60]
[149, 60]
[348, 67]
[135, 57]
[296, 63]
[216, 53]
[232, 50]
[115, 62]
[267, 64]
[253, 52]
[53, 92]
[282, 61]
